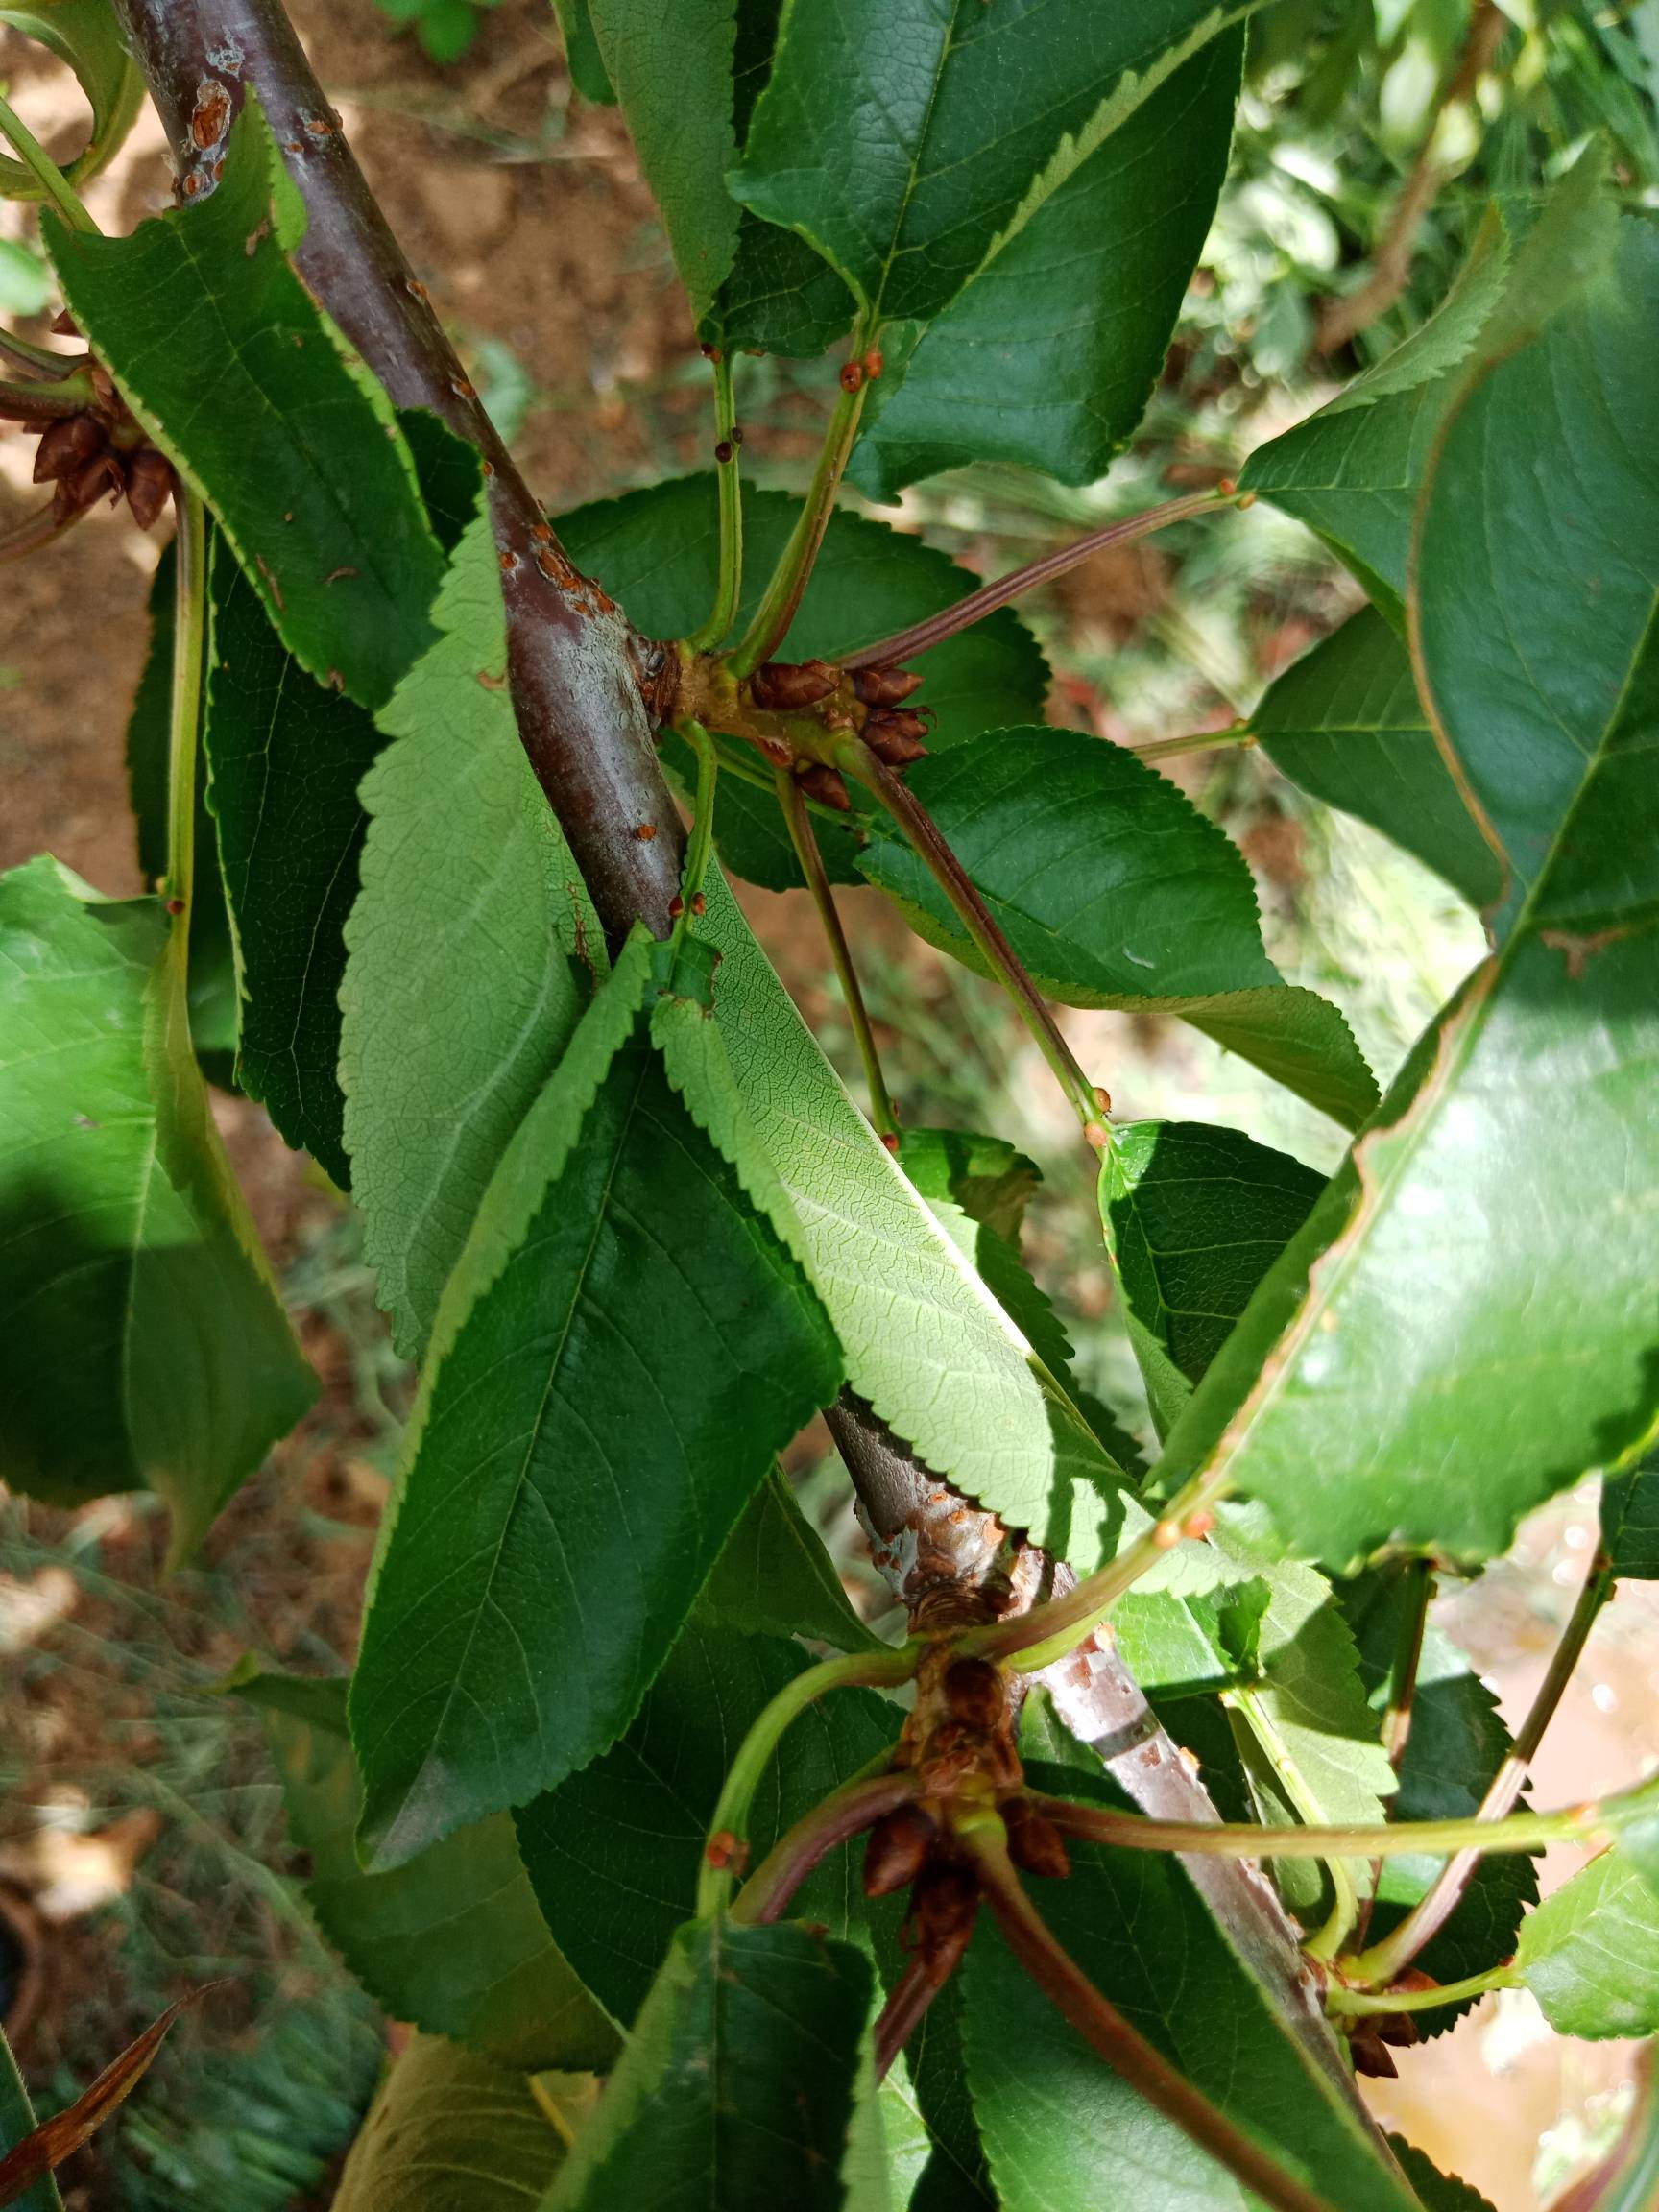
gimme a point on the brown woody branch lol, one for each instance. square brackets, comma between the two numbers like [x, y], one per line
[579, 675]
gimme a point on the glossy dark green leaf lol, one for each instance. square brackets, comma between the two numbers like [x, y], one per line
[1051, 349]
[1115, 891]
[1457, 1744]
[613, 1853]
[673, 76]
[656, 552]
[285, 756]
[212, 965]
[1590, 1953]
[450, 2131]
[1194, 1217]
[1055, 2117]
[237, 375]
[1345, 723]
[735, 2091]
[459, 994]
[624, 1345]
[775, 1578]
[1436, 2192]
[453, 1941]
[904, 138]
[1354, 472]
[1631, 1521]
[1443, 1346]
[141, 1336]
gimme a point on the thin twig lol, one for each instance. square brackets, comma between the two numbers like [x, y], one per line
[1385, 1961]
[729, 580]
[905, 645]
[793, 800]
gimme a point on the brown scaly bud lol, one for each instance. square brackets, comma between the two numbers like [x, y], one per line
[976, 1694]
[825, 784]
[885, 686]
[66, 446]
[90, 483]
[898, 1849]
[895, 739]
[148, 485]
[784, 686]
[1034, 1842]
[944, 1902]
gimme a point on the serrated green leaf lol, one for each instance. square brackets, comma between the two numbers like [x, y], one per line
[453, 1942]
[736, 2087]
[949, 124]
[1355, 470]
[1346, 724]
[613, 1853]
[656, 551]
[1590, 1953]
[459, 993]
[622, 1348]
[775, 1578]
[450, 2131]
[1436, 2191]
[984, 1176]
[1050, 351]
[1631, 1521]
[212, 962]
[284, 758]
[141, 1336]
[1115, 891]
[239, 378]
[1194, 1217]
[673, 77]
[912, 1317]
[1442, 1347]
[1135, 1925]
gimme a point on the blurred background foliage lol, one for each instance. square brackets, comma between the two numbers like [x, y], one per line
[141, 1843]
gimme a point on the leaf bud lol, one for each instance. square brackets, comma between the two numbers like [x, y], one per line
[885, 686]
[898, 1849]
[1034, 1843]
[825, 784]
[895, 738]
[148, 483]
[785, 686]
[68, 445]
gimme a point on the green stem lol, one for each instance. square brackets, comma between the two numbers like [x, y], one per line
[46, 173]
[1247, 1839]
[1358, 2004]
[729, 584]
[1385, 1961]
[28, 355]
[23, 398]
[793, 800]
[1124, 2049]
[856, 759]
[1049, 1632]
[1194, 741]
[1328, 1939]
[700, 845]
[726, 1832]
[782, 597]
[189, 660]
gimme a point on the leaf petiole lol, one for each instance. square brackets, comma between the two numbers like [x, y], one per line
[869, 1670]
[45, 172]
[1357, 2004]
[701, 843]
[729, 583]
[793, 802]
[184, 723]
[782, 595]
